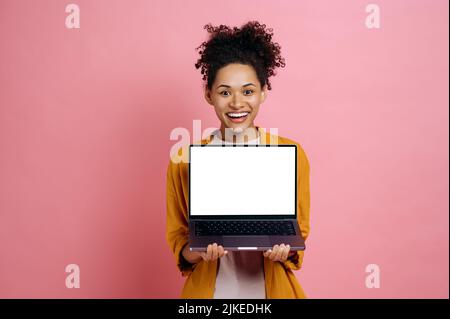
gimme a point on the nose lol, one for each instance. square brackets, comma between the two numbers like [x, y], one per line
[236, 102]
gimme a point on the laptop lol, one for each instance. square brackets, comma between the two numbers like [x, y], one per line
[243, 197]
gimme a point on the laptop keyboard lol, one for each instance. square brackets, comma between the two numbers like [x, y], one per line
[239, 227]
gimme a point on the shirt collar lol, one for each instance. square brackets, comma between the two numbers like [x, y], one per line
[265, 137]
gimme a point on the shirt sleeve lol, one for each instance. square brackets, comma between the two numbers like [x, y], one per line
[177, 230]
[295, 261]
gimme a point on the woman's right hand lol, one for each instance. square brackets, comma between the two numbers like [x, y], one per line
[213, 252]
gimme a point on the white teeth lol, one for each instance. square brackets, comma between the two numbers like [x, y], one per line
[237, 114]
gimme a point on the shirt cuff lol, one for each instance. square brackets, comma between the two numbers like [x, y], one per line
[295, 261]
[184, 266]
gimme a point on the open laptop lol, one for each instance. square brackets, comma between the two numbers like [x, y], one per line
[243, 197]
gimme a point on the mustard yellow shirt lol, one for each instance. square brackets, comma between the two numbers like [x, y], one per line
[280, 281]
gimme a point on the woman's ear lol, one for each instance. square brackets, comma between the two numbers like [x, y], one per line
[263, 93]
[208, 96]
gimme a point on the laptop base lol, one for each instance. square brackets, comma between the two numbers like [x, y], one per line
[245, 242]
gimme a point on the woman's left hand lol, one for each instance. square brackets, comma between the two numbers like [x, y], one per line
[279, 253]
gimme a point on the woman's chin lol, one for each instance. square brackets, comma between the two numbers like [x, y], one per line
[236, 129]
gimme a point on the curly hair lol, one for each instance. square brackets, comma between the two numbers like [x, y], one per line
[250, 45]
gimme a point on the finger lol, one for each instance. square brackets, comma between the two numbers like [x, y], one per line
[274, 252]
[208, 252]
[279, 252]
[203, 255]
[267, 253]
[215, 252]
[284, 253]
[221, 251]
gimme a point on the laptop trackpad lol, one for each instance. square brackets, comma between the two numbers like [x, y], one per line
[246, 241]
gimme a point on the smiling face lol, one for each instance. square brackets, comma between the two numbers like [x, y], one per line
[236, 95]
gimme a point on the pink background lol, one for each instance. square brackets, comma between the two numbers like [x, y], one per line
[86, 115]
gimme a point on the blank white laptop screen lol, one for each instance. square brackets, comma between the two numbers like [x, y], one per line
[239, 180]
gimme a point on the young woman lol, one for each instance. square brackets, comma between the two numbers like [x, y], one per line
[236, 64]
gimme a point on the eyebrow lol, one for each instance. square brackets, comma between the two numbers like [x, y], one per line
[230, 86]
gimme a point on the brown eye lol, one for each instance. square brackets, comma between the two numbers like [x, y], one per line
[224, 92]
[249, 91]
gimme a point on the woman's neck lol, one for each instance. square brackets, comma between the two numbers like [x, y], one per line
[235, 136]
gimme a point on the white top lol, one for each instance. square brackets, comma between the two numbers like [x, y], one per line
[241, 273]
